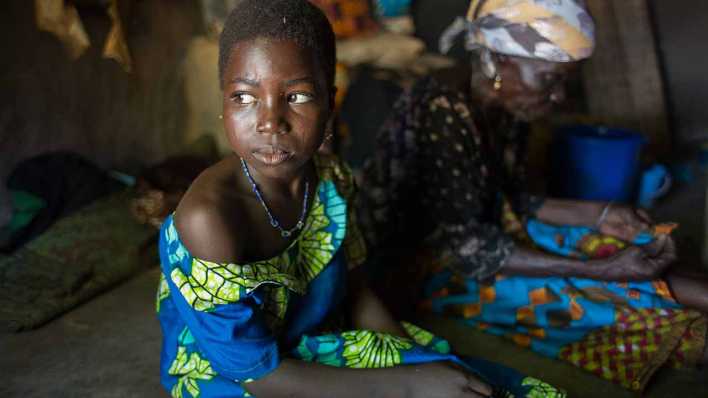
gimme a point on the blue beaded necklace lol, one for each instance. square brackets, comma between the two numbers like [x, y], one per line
[285, 233]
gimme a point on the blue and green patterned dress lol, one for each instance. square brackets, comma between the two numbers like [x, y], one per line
[227, 324]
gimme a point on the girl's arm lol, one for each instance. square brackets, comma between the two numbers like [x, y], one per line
[295, 379]
[368, 312]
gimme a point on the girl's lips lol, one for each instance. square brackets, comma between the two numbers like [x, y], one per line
[271, 156]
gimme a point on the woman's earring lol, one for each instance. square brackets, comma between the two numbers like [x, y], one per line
[497, 82]
[328, 136]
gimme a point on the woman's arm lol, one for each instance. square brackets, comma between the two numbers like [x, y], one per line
[533, 263]
[614, 219]
[570, 212]
[631, 264]
[689, 289]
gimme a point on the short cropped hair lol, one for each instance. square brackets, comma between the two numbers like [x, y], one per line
[296, 20]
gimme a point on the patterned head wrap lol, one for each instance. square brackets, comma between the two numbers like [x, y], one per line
[551, 30]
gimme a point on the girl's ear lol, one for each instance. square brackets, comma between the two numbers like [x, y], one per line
[332, 97]
[329, 126]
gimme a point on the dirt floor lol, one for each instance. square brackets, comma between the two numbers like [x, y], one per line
[106, 348]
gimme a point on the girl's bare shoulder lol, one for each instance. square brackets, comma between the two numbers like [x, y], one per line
[207, 217]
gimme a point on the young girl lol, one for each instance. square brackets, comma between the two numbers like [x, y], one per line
[253, 297]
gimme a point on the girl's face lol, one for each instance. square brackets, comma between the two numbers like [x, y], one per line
[276, 105]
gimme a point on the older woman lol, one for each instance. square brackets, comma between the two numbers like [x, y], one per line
[449, 159]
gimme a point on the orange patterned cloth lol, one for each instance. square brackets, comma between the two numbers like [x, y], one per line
[641, 340]
[622, 332]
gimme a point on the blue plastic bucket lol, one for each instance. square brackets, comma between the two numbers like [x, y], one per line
[596, 163]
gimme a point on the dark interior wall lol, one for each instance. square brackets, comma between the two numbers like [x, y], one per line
[682, 32]
[432, 17]
[91, 106]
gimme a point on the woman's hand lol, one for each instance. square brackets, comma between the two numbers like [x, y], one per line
[445, 380]
[636, 263]
[624, 222]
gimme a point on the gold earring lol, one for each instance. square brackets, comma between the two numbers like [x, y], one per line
[497, 82]
[221, 116]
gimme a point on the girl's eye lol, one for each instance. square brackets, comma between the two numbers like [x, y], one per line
[299, 98]
[243, 98]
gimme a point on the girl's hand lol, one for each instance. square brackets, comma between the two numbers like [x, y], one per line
[445, 380]
[624, 222]
[636, 263]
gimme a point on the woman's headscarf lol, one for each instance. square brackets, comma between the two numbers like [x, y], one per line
[551, 30]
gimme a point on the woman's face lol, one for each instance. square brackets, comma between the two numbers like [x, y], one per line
[530, 87]
[276, 105]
